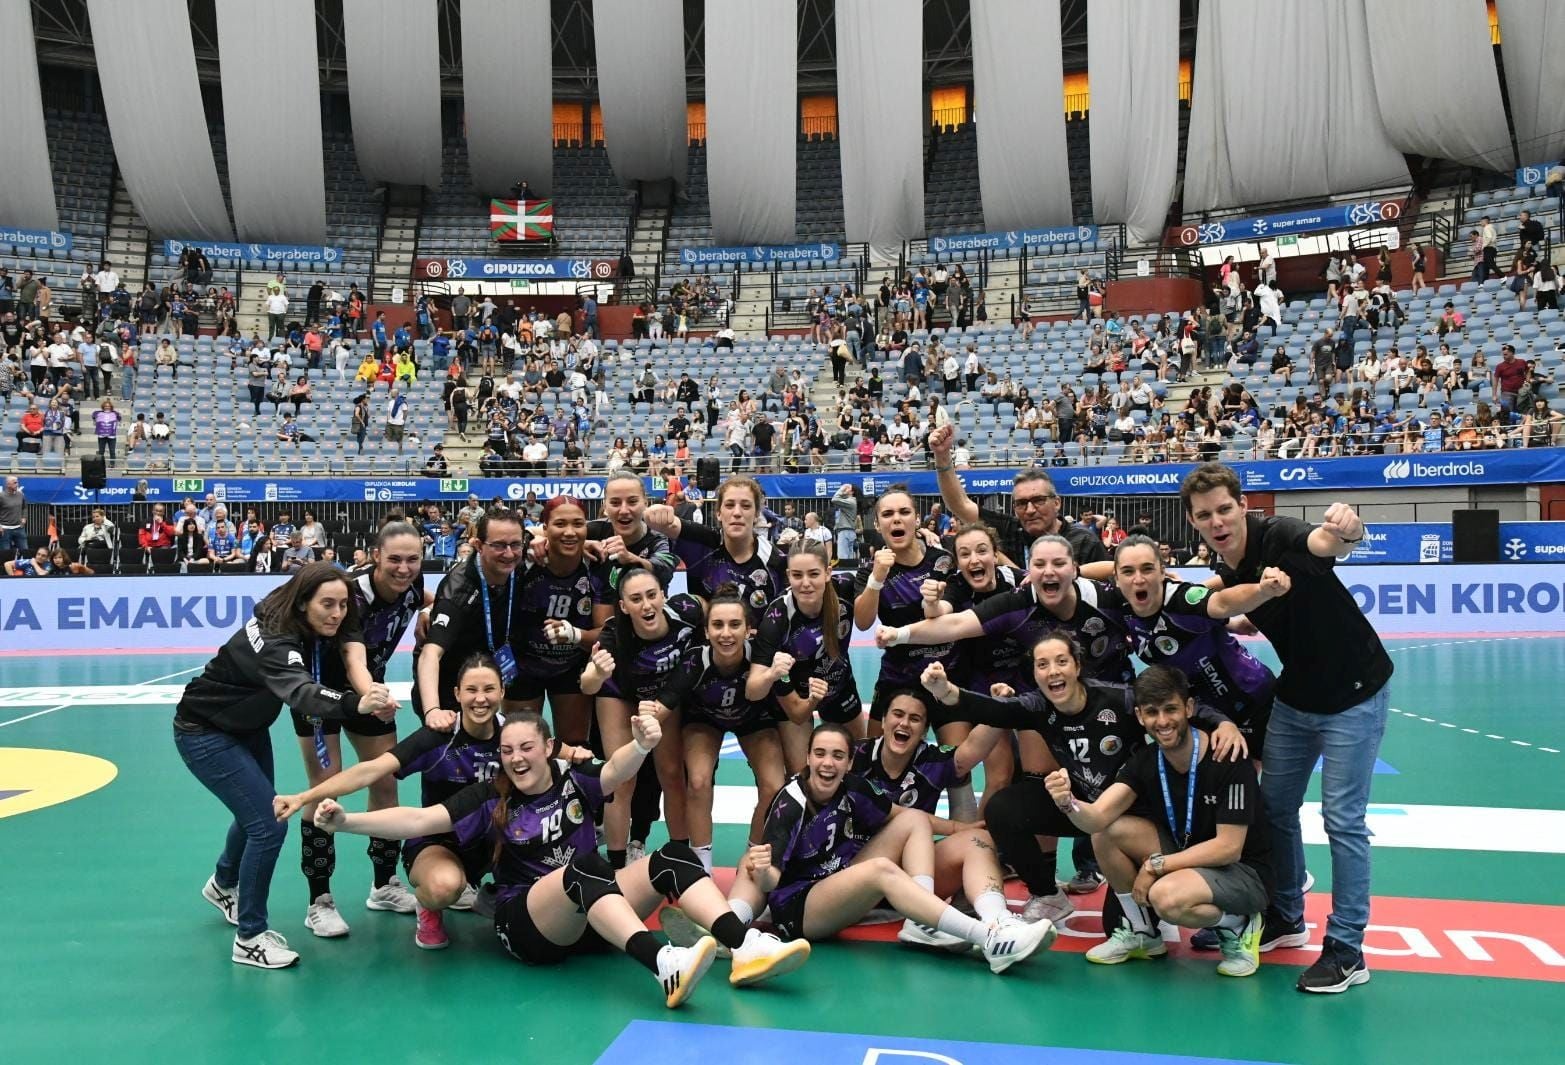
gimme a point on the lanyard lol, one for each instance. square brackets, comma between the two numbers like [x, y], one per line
[322, 755]
[510, 600]
[1168, 804]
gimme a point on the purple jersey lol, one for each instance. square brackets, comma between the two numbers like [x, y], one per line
[932, 771]
[784, 627]
[810, 844]
[706, 695]
[542, 832]
[544, 595]
[384, 622]
[708, 566]
[1181, 635]
[447, 762]
[640, 665]
[1100, 630]
[902, 603]
[1000, 659]
[653, 546]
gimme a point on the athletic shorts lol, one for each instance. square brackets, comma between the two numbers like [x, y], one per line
[1236, 888]
[939, 713]
[475, 860]
[788, 917]
[526, 687]
[841, 709]
[758, 717]
[357, 725]
[520, 938]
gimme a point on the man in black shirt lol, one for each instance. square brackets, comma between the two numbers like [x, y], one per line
[1331, 703]
[1181, 834]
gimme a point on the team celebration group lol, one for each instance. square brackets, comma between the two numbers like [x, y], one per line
[1015, 644]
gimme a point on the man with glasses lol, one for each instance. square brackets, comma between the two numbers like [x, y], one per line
[1035, 508]
[474, 611]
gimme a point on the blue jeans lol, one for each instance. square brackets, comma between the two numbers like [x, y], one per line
[1349, 743]
[238, 770]
[847, 544]
[13, 543]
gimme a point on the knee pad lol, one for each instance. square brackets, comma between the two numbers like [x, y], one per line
[588, 880]
[674, 869]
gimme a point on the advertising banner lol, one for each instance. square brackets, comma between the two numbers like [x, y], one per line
[945, 243]
[512, 269]
[267, 253]
[1267, 227]
[824, 252]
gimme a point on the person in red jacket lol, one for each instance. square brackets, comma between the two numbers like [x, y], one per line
[158, 532]
[32, 426]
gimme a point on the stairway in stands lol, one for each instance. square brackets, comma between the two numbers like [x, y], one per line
[398, 238]
[126, 246]
[647, 240]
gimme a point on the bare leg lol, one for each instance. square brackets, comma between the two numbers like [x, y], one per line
[702, 744]
[438, 878]
[614, 724]
[763, 750]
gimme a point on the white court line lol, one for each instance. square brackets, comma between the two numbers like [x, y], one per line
[80, 702]
[1474, 732]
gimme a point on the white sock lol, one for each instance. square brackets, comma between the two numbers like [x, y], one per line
[742, 910]
[705, 854]
[990, 907]
[1134, 913]
[925, 882]
[962, 926]
[963, 803]
[1234, 922]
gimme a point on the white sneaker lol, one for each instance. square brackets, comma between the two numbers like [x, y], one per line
[681, 968]
[1241, 950]
[682, 931]
[921, 935]
[1053, 908]
[1309, 882]
[268, 950]
[393, 896]
[762, 956]
[1126, 943]
[1011, 940]
[635, 850]
[323, 919]
[225, 899]
[466, 899]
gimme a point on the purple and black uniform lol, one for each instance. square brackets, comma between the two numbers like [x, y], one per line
[1000, 659]
[932, 771]
[543, 595]
[1222, 673]
[383, 624]
[653, 546]
[1105, 647]
[809, 843]
[784, 627]
[705, 695]
[641, 665]
[902, 603]
[446, 763]
[708, 566]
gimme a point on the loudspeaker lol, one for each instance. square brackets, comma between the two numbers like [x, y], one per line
[1475, 536]
[708, 473]
[95, 473]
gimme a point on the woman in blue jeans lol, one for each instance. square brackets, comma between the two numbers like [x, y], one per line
[221, 730]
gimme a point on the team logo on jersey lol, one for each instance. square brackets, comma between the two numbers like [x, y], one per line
[1195, 593]
[560, 857]
[758, 576]
[584, 585]
[295, 658]
[1099, 646]
[573, 811]
[584, 605]
[758, 598]
[943, 564]
[1166, 645]
[1107, 717]
[844, 628]
[1109, 745]
[1092, 626]
[441, 619]
[907, 798]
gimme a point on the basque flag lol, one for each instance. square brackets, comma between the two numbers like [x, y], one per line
[521, 219]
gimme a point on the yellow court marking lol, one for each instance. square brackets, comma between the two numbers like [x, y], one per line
[31, 779]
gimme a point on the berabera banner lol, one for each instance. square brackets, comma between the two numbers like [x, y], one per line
[266, 253]
[1535, 174]
[515, 269]
[1007, 239]
[1267, 227]
[36, 238]
[765, 254]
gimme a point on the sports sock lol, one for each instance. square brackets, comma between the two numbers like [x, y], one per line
[383, 859]
[990, 907]
[925, 882]
[957, 923]
[1134, 913]
[742, 910]
[616, 858]
[317, 859]
[644, 947]
[705, 854]
[728, 930]
[1234, 922]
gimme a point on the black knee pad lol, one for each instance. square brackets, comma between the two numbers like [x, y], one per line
[674, 869]
[588, 880]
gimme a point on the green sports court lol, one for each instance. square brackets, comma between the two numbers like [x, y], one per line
[111, 953]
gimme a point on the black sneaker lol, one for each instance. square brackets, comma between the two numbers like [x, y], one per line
[1205, 939]
[1339, 968]
[1084, 882]
[1277, 934]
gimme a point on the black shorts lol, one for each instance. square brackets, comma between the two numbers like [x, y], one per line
[937, 711]
[1252, 724]
[525, 687]
[842, 709]
[758, 717]
[520, 938]
[357, 725]
[475, 860]
[788, 918]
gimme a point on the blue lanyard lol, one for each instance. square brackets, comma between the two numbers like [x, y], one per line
[1168, 804]
[322, 755]
[510, 600]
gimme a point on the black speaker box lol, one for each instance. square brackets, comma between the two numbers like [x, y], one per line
[95, 473]
[708, 473]
[1475, 536]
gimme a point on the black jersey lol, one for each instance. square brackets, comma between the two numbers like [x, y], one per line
[810, 843]
[932, 771]
[458, 628]
[447, 761]
[543, 595]
[708, 565]
[998, 659]
[1101, 632]
[383, 622]
[704, 694]
[784, 627]
[542, 833]
[640, 665]
[652, 546]
[902, 603]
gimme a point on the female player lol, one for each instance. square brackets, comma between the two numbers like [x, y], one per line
[557, 896]
[388, 597]
[834, 846]
[564, 602]
[624, 538]
[706, 693]
[890, 590]
[733, 554]
[220, 729]
[635, 652]
[441, 869]
[801, 651]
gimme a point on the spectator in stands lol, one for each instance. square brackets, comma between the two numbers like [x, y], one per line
[222, 546]
[191, 548]
[157, 532]
[1509, 374]
[435, 465]
[37, 566]
[396, 416]
[106, 424]
[1541, 426]
[29, 437]
[99, 533]
[56, 429]
[296, 556]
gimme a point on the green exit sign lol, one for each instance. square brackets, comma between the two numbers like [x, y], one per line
[189, 485]
[453, 485]
[1287, 241]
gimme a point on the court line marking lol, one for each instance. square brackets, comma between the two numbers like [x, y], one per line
[1475, 732]
[68, 705]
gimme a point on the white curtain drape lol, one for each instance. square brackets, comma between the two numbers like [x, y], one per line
[155, 116]
[1018, 97]
[394, 88]
[751, 132]
[880, 107]
[1436, 84]
[641, 87]
[1133, 60]
[26, 181]
[508, 94]
[1294, 126]
[272, 123]
[1532, 39]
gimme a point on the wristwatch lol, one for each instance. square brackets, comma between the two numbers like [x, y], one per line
[1156, 862]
